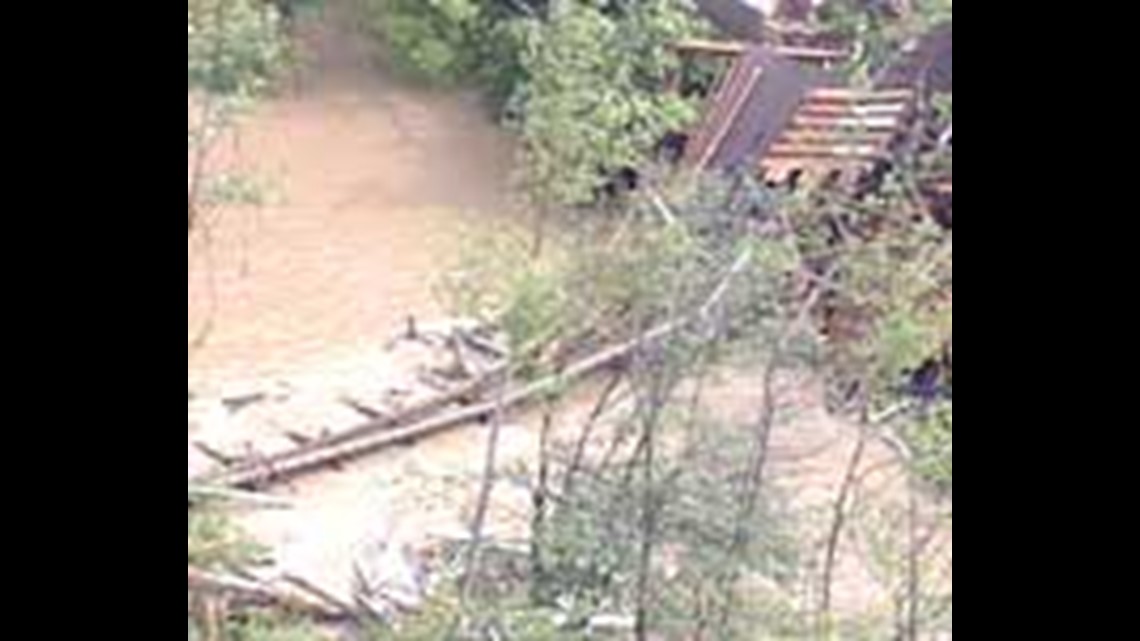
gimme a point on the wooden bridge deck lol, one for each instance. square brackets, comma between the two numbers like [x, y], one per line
[838, 133]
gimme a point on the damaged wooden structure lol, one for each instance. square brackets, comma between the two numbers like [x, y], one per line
[771, 116]
[779, 114]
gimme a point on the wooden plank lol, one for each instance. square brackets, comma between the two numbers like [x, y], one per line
[722, 98]
[732, 48]
[753, 78]
[833, 94]
[866, 123]
[217, 456]
[836, 136]
[870, 152]
[825, 109]
[711, 47]
[812, 54]
[792, 28]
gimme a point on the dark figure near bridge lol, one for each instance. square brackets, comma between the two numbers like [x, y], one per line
[671, 149]
[932, 381]
[925, 382]
[617, 184]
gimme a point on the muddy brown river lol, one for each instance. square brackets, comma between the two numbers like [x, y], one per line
[371, 187]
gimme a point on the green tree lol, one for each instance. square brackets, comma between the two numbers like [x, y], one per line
[433, 38]
[593, 100]
[581, 80]
[452, 42]
[877, 32]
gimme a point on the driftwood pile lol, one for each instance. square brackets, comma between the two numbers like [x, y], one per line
[267, 435]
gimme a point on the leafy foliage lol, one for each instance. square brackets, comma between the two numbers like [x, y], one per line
[451, 42]
[262, 627]
[877, 32]
[213, 541]
[233, 47]
[608, 285]
[589, 552]
[889, 317]
[877, 29]
[592, 102]
[435, 38]
[579, 79]
[931, 438]
[274, 629]
[603, 281]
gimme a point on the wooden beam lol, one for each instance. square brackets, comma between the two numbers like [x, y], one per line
[812, 54]
[711, 47]
[754, 75]
[731, 48]
[824, 109]
[788, 28]
[869, 123]
[832, 94]
[836, 136]
[785, 150]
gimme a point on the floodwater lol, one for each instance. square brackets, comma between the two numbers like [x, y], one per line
[371, 187]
